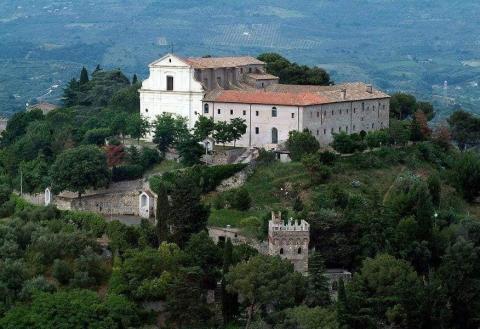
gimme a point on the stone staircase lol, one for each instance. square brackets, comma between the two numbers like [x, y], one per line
[247, 156]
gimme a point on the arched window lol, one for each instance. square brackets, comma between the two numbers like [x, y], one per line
[274, 135]
[281, 251]
[205, 108]
[274, 112]
[299, 251]
[169, 82]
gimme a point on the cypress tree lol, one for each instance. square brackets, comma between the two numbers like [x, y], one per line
[229, 300]
[342, 306]
[134, 79]
[318, 293]
[83, 76]
[162, 213]
[98, 68]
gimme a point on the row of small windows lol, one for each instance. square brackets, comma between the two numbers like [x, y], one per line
[346, 111]
[206, 110]
[332, 130]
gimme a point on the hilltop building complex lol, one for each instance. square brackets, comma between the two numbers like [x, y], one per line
[224, 88]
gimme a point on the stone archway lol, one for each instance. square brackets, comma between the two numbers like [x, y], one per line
[145, 202]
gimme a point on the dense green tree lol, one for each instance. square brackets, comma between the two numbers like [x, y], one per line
[292, 73]
[319, 173]
[402, 105]
[190, 215]
[79, 169]
[265, 280]
[61, 271]
[137, 126]
[223, 132]
[427, 109]
[162, 212]
[205, 254]
[343, 312]
[466, 175]
[465, 128]
[185, 301]
[189, 150]
[167, 130]
[386, 291]
[229, 300]
[238, 128]
[34, 175]
[435, 188]
[17, 125]
[71, 309]
[204, 127]
[84, 76]
[300, 144]
[71, 93]
[309, 318]
[318, 293]
[459, 273]
[399, 132]
[97, 136]
[241, 200]
[126, 99]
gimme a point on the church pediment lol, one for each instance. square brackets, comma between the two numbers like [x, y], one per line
[169, 60]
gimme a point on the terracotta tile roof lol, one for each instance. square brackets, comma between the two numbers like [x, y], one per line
[219, 62]
[297, 95]
[263, 97]
[354, 91]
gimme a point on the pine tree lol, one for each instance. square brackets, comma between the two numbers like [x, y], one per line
[162, 213]
[98, 68]
[134, 79]
[318, 293]
[83, 76]
[229, 300]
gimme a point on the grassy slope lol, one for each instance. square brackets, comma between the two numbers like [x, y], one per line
[268, 184]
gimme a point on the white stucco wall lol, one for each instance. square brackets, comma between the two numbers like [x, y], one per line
[184, 100]
[258, 116]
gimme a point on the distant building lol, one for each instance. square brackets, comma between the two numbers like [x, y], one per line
[224, 88]
[289, 241]
[3, 124]
[44, 107]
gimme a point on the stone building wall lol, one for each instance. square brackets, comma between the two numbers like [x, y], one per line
[289, 241]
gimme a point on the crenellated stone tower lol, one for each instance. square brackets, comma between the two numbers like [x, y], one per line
[289, 241]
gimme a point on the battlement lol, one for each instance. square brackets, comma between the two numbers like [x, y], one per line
[276, 224]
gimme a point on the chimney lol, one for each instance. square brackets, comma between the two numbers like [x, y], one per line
[344, 93]
[369, 89]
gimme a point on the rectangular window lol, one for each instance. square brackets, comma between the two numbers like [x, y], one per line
[340, 112]
[231, 112]
[257, 130]
[353, 127]
[256, 113]
[318, 114]
[332, 112]
[317, 132]
[293, 115]
[354, 109]
[244, 112]
[346, 129]
[219, 111]
[324, 131]
[339, 129]
[274, 112]
[169, 82]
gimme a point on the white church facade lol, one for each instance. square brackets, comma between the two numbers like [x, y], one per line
[224, 88]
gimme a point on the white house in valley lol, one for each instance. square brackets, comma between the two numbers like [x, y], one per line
[224, 88]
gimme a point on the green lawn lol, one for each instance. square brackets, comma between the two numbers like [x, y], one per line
[163, 167]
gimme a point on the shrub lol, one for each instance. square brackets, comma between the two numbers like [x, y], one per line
[466, 175]
[327, 158]
[207, 178]
[241, 200]
[127, 172]
[266, 157]
[319, 172]
[149, 157]
[96, 136]
[87, 221]
[301, 143]
[61, 271]
[219, 202]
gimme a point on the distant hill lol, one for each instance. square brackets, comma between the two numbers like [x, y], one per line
[408, 45]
